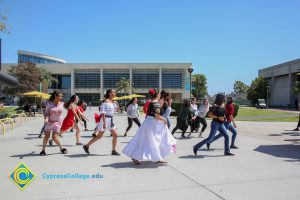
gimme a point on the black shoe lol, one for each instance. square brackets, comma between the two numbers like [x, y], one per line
[94, 135]
[71, 130]
[195, 151]
[40, 135]
[228, 154]
[207, 146]
[50, 142]
[183, 136]
[64, 151]
[43, 153]
[86, 149]
[296, 129]
[233, 147]
[115, 153]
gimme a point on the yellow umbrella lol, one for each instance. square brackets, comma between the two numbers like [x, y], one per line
[137, 96]
[36, 94]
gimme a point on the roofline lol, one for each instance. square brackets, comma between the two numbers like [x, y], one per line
[279, 65]
[41, 55]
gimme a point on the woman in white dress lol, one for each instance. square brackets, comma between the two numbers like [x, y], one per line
[153, 140]
[107, 110]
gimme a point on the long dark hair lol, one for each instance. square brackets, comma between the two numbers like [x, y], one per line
[186, 103]
[82, 104]
[130, 102]
[54, 94]
[72, 99]
[220, 99]
[106, 96]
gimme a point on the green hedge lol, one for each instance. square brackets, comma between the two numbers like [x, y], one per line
[236, 109]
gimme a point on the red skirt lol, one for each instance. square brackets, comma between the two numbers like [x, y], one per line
[67, 123]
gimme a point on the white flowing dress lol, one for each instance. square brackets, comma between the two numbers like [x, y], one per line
[152, 142]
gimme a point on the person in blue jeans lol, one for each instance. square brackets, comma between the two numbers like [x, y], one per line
[217, 112]
[229, 124]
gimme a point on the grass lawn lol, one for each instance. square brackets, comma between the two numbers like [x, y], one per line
[245, 112]
[253, 114]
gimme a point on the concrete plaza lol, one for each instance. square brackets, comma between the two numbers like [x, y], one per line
[266, 166]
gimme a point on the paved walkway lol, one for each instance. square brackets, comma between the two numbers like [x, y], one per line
[266, 166]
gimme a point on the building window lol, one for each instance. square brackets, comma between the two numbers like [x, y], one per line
[87, 79]
[94, 98]
[172, 79]
[145, 78]
[110, 79]
[64, 82]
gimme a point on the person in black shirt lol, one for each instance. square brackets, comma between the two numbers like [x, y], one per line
[217, 112]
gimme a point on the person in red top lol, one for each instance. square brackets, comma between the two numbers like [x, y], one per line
[229, 124]
[146, 105]
[82, 107]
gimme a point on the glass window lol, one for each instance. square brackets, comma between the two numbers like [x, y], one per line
[112, 78]
[145, 79]
[87, 79]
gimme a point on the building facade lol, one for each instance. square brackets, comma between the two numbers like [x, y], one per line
[26, 56]
[282, 78]
[90, 81]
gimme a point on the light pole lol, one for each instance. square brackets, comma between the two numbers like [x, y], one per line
[268, 87]
[41, 79]
[190, 70]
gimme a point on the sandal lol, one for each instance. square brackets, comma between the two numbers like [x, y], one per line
[86, 149]
[64, 151]
[43, 153]
[136, 162]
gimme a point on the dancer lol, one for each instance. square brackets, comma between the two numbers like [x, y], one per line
[184, 115]
[132, 109]
[167, 103]
[217, 112]
[53, 120]
[153, 140]
[200, 118]
[82, 107]
[229, 124]
[107, 110]
[69, 122]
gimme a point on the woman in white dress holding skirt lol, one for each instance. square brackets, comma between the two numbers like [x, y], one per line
[153, 140]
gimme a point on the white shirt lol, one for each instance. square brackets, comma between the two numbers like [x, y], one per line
[203, 110]
[195, 108]
[108, 108]
[133, 111]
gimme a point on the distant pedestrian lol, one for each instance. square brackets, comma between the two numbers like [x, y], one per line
[133, 113]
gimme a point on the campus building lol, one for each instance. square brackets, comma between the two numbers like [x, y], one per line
[90, 80]
[282, 78]
[26, 56]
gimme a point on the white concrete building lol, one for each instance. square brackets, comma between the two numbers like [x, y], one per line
[282, 78]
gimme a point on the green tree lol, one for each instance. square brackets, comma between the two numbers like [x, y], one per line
[48, 79]
[200, 85]
[3, 22]
[296, 88]
[240, 89]
[123, 85]
[28, 75]
[257, 90]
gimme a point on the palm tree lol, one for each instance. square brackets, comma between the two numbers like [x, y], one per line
[123, 85]
[47, 79]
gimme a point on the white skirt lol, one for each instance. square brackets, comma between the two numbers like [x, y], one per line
[152, 142]
[108, 125]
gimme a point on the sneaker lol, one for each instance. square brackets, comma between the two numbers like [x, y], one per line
[86, 149]
[115, 153]
[296, 129]
[195, 151]
[233, 147]
[207, 146]
[228, 154]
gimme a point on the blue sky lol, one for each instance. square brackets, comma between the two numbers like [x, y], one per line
[227, 40]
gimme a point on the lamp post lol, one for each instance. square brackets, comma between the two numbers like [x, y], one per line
[190, 70]
[41, 79]
[268, 87]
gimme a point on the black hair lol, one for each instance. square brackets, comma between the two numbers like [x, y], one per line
[107, 94]
[54, 94]
[165, 95]
[130, 102]
[80, 102]
[72, 99]
[220, 99]
[186, 103]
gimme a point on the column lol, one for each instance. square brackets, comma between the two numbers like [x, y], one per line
[101, 83]
[72, 81]
[160, 78]
[130, 80]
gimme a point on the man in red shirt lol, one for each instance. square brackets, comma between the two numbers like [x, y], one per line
[229, 124]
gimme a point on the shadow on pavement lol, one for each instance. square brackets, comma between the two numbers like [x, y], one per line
[199, 156]
[32, 154]
[84, 155]
[143, 165]
[290, 151]
[291, 133]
